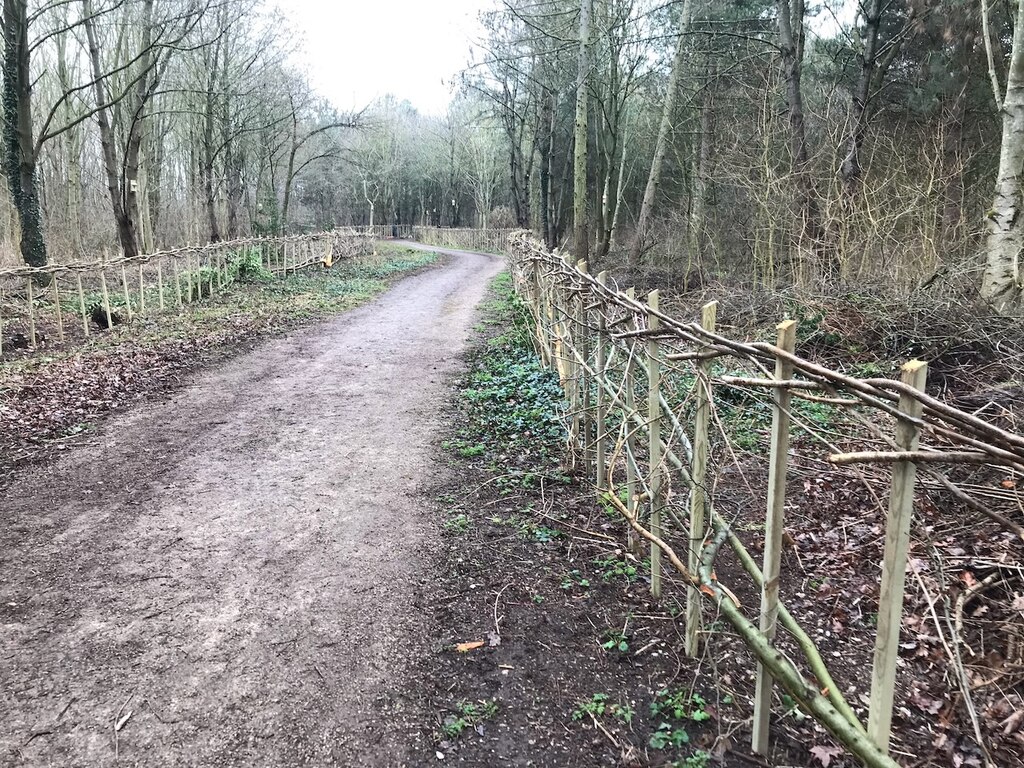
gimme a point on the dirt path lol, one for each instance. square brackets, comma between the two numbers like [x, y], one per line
[239, 568]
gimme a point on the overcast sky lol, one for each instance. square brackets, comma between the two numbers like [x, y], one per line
[356, 50]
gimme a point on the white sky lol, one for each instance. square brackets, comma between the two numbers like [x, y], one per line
[357, 50]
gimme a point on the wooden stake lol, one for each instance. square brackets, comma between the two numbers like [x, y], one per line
[31, 312]
[773, 530]
[1, 321]
[106, 300]
[582, 382]
[81, 305]
[127, 296]
[211, 271]
[142, 291]
[160, 282]
[698, 487]
[177, 282]
[540, 312]
[654, 433]
[894, 564]
[629, 401]
[56, 305]
[600, 361]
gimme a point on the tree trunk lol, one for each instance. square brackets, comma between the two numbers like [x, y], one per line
[791, 44]
[661, 143]
[125, 225]
[702, 179]
[546, 145]
[72, 141]
[209, 188]
[133, 150]
[581, 244]
[19, 148]
[1001, 280]
[851, 169]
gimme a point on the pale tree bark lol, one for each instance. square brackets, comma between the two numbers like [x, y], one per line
[702, 173]
[581, 244]
[1001, 280]
[546, 132]
[661, 143]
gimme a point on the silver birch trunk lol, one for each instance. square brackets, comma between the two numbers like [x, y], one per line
[1000, 282]
[661, 143]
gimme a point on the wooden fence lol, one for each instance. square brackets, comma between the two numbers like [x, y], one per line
[385, 231]
[60, 298]
[458, 238]
[642, 388]
[493, 240]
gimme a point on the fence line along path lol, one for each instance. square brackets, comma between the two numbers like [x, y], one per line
[642, 390]
[108, 291]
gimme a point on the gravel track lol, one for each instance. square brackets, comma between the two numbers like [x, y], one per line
[240, 567]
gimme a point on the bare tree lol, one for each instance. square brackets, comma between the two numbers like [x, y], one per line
[661, 144]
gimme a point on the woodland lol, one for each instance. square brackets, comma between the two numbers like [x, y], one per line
[783, 143]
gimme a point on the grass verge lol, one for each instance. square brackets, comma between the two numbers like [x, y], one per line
[60, 393]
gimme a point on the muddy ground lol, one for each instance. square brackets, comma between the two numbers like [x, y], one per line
[233, 576]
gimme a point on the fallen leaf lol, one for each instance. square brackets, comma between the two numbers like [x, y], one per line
[467, 647]
[825, 755]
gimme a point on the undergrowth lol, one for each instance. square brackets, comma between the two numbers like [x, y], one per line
[514, 408]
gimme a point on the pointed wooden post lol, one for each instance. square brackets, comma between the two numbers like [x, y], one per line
[142, 291]
[894, 564]
[81, 305]
[629, 404]
[177, 283]
[127, 296]
[160, 282]
[654, 433]
[106, 299]
[601, 408]
[56, 305]
[774, 526]
[698, 488]
[583, 381]
[31, 312]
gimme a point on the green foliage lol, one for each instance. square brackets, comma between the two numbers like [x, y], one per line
[458, 524]
[528, 528]
[615, 640]
[514, 407]
[598, 704]
[614, 568]
[247, 266]
[668, 735]
[679, 705]
[467, 714]
[575, 579]
[699, 759]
